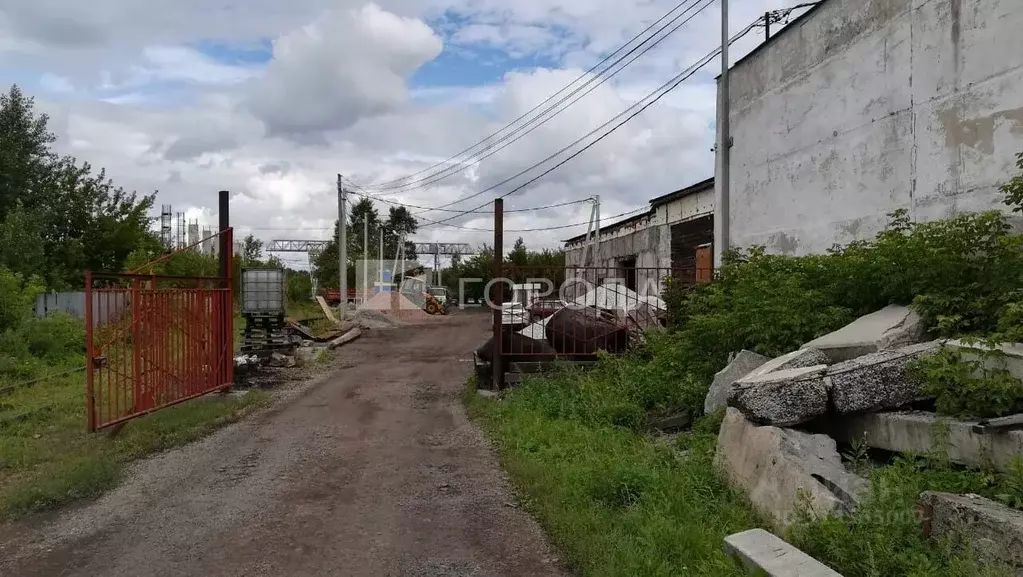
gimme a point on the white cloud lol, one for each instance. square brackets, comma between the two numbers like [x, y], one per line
[339, 76]
[348, 64]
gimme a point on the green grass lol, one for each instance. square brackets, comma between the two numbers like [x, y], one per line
[618, 502]
[47, 458]
[613, 501]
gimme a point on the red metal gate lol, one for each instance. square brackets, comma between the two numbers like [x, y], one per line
[153, 341]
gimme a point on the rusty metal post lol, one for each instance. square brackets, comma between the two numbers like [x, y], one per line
[225, 325]
[90, 397]
[498, 364]
[225, 247]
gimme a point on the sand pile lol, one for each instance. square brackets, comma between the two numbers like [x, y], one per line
[374, 319]
[395, 304]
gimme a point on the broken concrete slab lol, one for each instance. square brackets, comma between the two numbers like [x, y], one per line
[279, 360]
[327, 312]
[782, 398]
[991, 530]
[891, 327]
[783, 471]
[795, 360]
[878, 381]
[766, 553]
[345, 338]
[309, 354]
[1008, 356]
[739, 365]
[922, 432]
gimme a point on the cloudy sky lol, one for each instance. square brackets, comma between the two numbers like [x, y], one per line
[271, 99]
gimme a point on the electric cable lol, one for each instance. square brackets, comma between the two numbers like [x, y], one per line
[663, 89]
[504, 141]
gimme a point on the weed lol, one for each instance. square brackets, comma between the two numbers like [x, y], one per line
[47, 458]
[967, 387]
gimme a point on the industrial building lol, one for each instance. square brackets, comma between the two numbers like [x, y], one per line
[673, 237]
[861, 107]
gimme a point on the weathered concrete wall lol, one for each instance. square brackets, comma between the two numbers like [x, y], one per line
[648, 239]
[867, 106]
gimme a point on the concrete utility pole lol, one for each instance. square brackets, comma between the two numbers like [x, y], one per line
[365, 257]
[722, 176]
[596, 236]
[380, 259]
[342, 245]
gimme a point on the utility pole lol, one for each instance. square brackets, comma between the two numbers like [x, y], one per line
[722, 176]
[380, 259]
[767, 25]
[342, 245]
[365, 256]
[596, 236]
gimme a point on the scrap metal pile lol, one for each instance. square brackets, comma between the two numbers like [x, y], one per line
[610, 318]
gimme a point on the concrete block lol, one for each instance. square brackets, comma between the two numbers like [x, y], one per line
[878, 381]
[783, 470]
[993, 532]
[916, 431]
[740, 365]
[807, 357]
[1008, 356]
[782, 398]
[891, 327]
[760, 551]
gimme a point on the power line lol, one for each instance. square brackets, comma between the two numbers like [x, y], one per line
[396, 203]
[663, 89]
[602, 76]
[560, 227]
[366, 194]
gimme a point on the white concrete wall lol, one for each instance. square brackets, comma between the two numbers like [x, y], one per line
[867, 106]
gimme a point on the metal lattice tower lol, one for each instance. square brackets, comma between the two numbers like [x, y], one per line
[181, 230]
[166, 214]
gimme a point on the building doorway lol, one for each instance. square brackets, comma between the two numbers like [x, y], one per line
[627, 271]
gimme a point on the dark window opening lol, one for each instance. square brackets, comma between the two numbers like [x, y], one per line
[627, 268]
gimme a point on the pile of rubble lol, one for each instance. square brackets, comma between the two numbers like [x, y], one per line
[607, 314]
[853, 384]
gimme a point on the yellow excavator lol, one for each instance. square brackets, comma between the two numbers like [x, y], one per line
[416, 291]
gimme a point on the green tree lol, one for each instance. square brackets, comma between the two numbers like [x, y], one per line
[252, 251]
[400, 224]
[25, 156]
[21, 241]
[1014, 188]
[80, 220]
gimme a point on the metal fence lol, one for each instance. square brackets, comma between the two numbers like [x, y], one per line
[172, 340]
[572, 313]
[73, 303]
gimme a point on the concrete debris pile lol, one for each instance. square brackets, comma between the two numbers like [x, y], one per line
[849, 385]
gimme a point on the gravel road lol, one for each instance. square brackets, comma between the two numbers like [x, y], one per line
[371, 470]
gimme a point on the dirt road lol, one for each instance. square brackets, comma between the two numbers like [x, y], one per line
[373, 470]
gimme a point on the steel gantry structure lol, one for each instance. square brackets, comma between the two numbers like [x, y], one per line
[438, 249]
[313, 247]
[310, 247]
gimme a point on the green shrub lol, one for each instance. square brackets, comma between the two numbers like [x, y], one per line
[17, 297]
[884, 537]
[965, 388]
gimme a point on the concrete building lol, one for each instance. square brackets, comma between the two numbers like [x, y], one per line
[861, 107]
[647, 247]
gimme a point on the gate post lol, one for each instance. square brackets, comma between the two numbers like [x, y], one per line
[498, 363]
[225, 341]
[90, 398]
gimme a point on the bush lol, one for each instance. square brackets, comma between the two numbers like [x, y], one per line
[962, 275]
[966, 388]
[17, 297]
